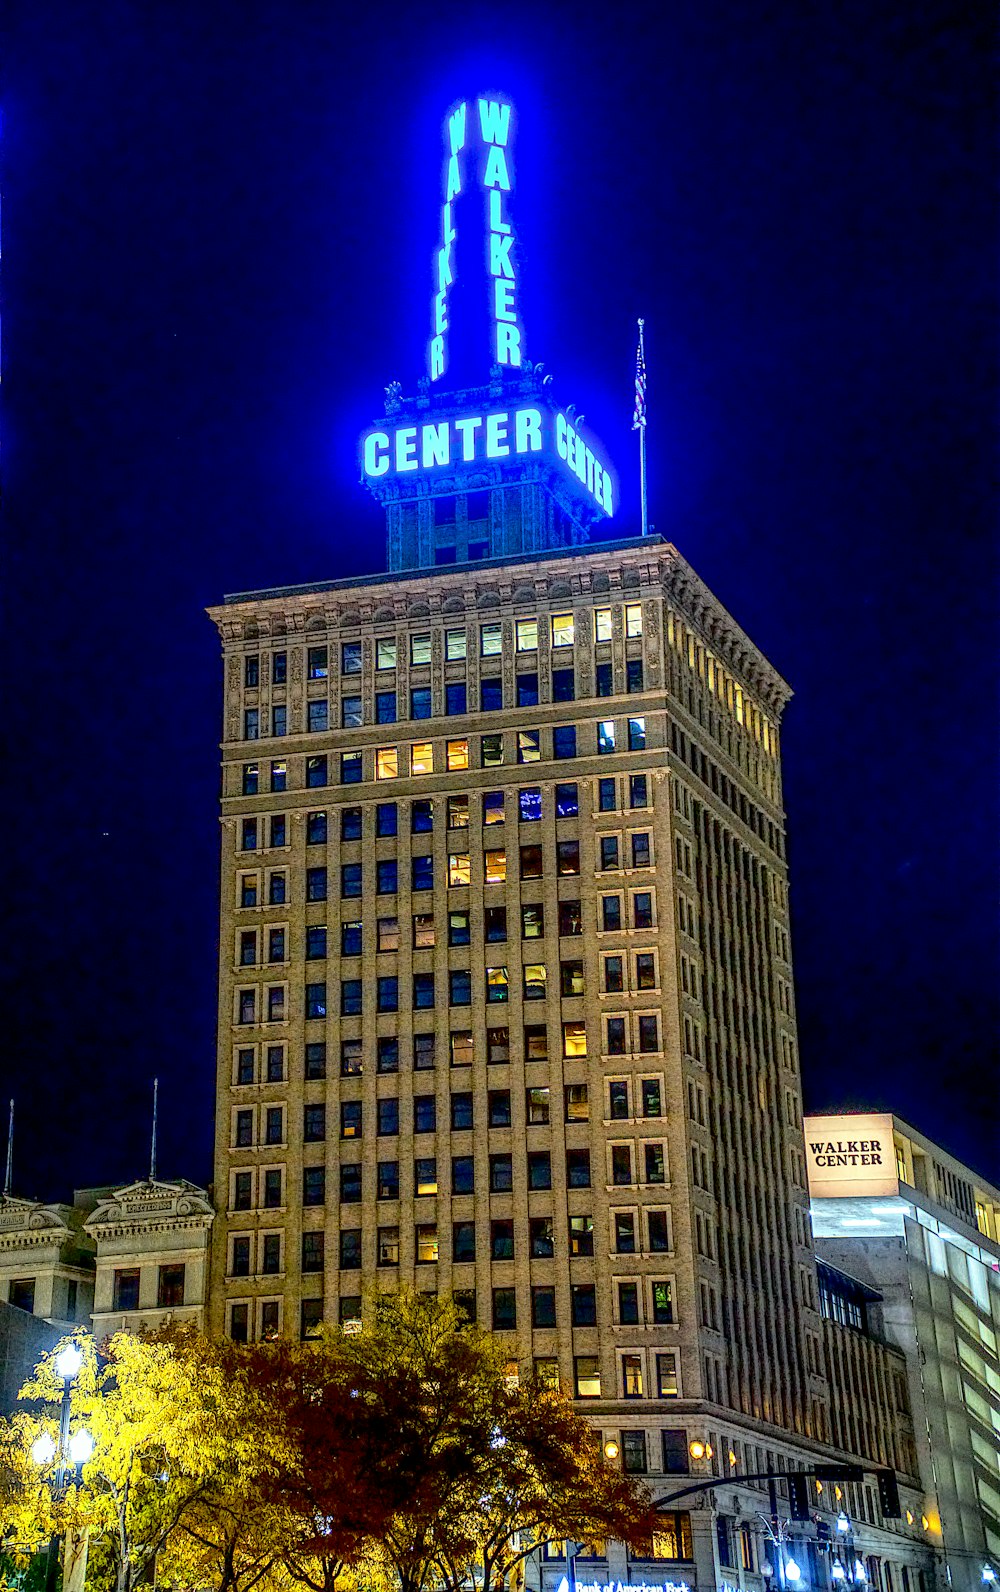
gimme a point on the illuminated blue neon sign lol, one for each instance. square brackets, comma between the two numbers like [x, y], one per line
[470, 439]
[492, 118]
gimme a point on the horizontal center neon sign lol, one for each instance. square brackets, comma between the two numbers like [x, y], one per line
[470, 439]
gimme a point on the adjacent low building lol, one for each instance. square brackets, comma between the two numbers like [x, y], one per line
[910, 1223]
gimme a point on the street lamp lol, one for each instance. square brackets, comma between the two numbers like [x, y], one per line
[67, 1451]
[611, 1450]
[989, 1574]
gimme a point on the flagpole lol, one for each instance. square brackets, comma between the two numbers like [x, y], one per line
[642, 437]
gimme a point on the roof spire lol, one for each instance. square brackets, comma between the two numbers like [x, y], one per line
[152, 1147]
[9, 1175]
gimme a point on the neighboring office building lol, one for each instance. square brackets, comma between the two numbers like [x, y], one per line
[46, 1260]
[903, 1217]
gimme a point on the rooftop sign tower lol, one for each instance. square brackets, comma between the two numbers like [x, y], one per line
[481, 462]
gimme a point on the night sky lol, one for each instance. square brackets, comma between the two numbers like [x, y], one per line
[217, 233]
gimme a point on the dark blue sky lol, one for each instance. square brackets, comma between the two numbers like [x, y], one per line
[218, 222]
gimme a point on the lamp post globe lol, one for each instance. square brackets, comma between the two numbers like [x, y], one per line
[43, 1449]
[81, 1446]
[68, 1362]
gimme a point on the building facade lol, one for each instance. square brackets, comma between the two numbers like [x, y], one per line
[899, 1214]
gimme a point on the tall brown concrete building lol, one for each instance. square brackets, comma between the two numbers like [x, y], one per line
[506, 1008]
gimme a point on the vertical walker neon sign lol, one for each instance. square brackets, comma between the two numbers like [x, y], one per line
[492, 119]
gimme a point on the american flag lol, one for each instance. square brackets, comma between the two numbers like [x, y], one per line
[639, 413]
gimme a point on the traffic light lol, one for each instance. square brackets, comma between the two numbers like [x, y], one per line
[798, 1495]
[888, 1494]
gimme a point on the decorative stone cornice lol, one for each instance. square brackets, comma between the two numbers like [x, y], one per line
[33, 1224]
[152, 1206]
[721, 632]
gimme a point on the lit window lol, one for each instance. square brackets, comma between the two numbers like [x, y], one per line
[423, 931]
[574, 1038]
[633, 619]
[606, 735]
[529, 804]
[577, 1102]
[459, 868]
[631, 1363]
[455, 645]
[458, 756]
[496, 984]
[534, 981]
[388, 934]
[562, 630]
[386, 762]
[421, 758]
[427, 1242]
[667, 1386]
[495, 866]
[527, 746]
[587, 1376]
[425, 1175]
[602, 624]
[385, 652]
[458, 812]
[493, 809]
[420, 649]
[527, 635]
[461, 1056]
[637, 735]
[490, 640]
[491, 750]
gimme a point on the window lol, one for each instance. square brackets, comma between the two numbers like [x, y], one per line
[251, 724]
[638, 793]
[645, 970]
[528, 750]
[385, 707]
[420, 648]
[649, 1037]
[248, 835]
[422, 873]
[490, 640]
[276, 1003]
[675, 1453]
[316, 999]
[604, 680]
[386, 762]
[126, 1290]
[279, 830]
[574, 1039]
[272, 1189]
[606, 735]
[312, 1248]
[541, 1238]
[459, 869]
[602, 624]
[491, 697]
[581, 1235]
[463, 1241]
[459, 990]
[420, 702]
[248, 948]
[667, 1386]
[386, 821]
[501, 1174]
[493, 808]
[239, 1265]
[251, 779]
[527, 635]
[350, 1058]
[496, 984]
[656, 1167]
[494, 867]
[423, 990]
[277, 888]
[461, 1109]
[562, 630]
[385, 652]
[537, 1105]
[637, 735]
[350, 1248]
[388, 1180]
[659, 1232]
[350, 770]
[587, 1376]
[244, 1066]
[531, 862]
[527, 690]
[564, 740]
[279, 776]
[244, 1130]
[386, 876]
[621, 1165]
[350, 1119]
[248, 889]
[458, 928]
[633, 620]
[315, 1060]
[543, 1307]
[578, 1168]
[498, 1105]
[386, 934]
[609, 853]
[563, 685]
[502, 1240]
[170, 1286]
[424, 1113]
[242, 1191]
[458, 812]
[455, 645]
[318, 714]
[504, 1310]
[425, 1175]
[567, 858]
[532, 921]
[577, 1102]
[387, 1117]
[651, 1102]
[625, 1232]
[618, 1108]
[495, 924]
[239, 1323]
[387, 994]
[634, 1443]
[540, 1169]
[248, 1006]
[388, 1246]
[534, 981]
[455, 699]
[387, 1053]
[633, 675]
[642, 910]
[640, 850]
[314, 1185]
[463, 1167]
[663, 1303]
[426, 1244]
[423, 1052]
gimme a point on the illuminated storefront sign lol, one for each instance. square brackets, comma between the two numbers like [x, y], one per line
[470, 439]
[487, 123]
[629, 1586]
[850, 1156]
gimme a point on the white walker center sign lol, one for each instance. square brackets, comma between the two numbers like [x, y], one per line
[850, 1157]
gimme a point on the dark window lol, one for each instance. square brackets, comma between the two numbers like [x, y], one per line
[248, 835]
[633, 674]
[423, 990]
[611, 912]
[316, 1000]
[495, 924]
[385, 707]
[239, 1323]
[244, 1066]
[279, 776]
[387, 995]
[655, 1164]
[272, 1189]
[504, 1310]
[251, 779]
[170, 1286]
[274, 1125]
[280, 674]
[275, 1063]
[491, 695]
[463, 1241]
[536, 1042]
[350, 1249]
[604, 680]
[315, 1059]
[424, 1113]
[498, 1101]
[386, 818]
[675, 1452]
[351, 1063]
[531, 862]
[423, 873]
[314, 1124]
[571, 978]
[350, 1119]
[563, 689]
[350, 940]
[637, 791]
[502, 1240]
[461, 1111]
[251, 670]
[423, 1052]
[614, 974]
[578, 1168]
[460, 987]
[501, 1174]
[351, 993]
[625, 1233]
[617, 1045]
[564, 740]
[642, 910]
[388, 1117]
[637, 735]
[583, 1301]
[248, 890]
[242, 1186]
[570, 918]
[651, 1104]
[609, 852]
[634, 1453]
[388, 1180]
[248, 948]
[543, 1307]
[628, 1304]
[567, 801]
[279, 720]
[659, 1232]
[318, 714]
[316, 884]
[649, 1039]
[126, 1290]
[240, 1262]
[317, 773]
[607, 799]
[541, 1240]
[421, 818]
[313, 1185]
[567, 858]
[387, 1053]
[618, 1100]
[350, 713]
[244, 1129]
[621, 1165]
[316, 829]
[312, 1251]
[463, 1168]
[539, 1169]
[527, 690]
[350, 658]
[386, 877]
[455, 697]
[251, 724]
[640, 851]
[420, 702]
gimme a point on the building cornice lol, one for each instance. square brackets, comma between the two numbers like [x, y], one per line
[151, 1206]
